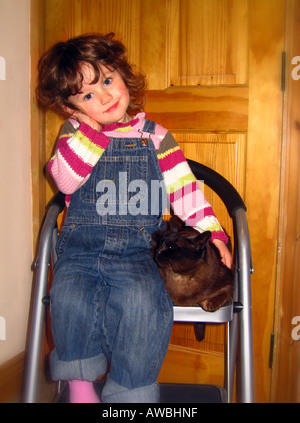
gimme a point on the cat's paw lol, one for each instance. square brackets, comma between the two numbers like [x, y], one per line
[209, 305]
[214, 303]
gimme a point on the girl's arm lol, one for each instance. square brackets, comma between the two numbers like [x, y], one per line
[78, 150]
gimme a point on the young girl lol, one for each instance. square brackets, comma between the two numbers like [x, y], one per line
[108, 302]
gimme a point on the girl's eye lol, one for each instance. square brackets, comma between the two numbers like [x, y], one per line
[107, 81]
[88, 96]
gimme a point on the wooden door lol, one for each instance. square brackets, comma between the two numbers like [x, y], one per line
[214, 73]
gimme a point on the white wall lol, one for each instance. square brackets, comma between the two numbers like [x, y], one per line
[15, 176]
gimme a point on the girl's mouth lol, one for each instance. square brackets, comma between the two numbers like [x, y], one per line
[112, 108]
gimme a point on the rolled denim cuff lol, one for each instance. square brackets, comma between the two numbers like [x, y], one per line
[89, 369]
[115, 393]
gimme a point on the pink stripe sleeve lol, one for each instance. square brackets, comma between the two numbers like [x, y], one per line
[219, 235]
[68, 169]
[171, 160]
[66, 177]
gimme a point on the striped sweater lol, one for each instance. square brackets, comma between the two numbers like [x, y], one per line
[79, 148]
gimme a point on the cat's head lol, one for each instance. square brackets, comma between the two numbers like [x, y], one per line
[179, 245]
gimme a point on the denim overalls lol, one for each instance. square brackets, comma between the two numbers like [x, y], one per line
[108, 300]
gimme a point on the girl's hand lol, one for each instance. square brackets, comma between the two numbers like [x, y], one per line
[226, 256]
[81, 117]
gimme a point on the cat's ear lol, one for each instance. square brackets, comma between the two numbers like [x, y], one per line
[191, 234]
[206, 235]
[175, 224]
[202, 239]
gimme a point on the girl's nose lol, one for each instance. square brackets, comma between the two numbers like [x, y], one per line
[105, 97]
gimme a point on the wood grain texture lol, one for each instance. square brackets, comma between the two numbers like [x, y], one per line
[212, 43]
[11, 374]
[207, 109]
[263, 173]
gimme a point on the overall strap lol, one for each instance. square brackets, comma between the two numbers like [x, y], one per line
[149, 126]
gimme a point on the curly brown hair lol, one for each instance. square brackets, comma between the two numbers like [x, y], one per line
[60, 74]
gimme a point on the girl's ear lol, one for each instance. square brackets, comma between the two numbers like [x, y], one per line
[67, 110]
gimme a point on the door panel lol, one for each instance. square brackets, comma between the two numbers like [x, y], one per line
[209, 42]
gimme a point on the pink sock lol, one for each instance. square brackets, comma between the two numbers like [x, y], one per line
[82, 391]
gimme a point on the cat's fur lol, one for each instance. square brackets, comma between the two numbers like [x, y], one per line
[191, 267]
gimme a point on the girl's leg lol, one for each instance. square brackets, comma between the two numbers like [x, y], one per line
[137, 326]
[115, 393]
[77, 298]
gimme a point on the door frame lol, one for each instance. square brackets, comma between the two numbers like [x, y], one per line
[285, 378]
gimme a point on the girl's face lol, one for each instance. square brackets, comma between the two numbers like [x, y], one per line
[107, 101]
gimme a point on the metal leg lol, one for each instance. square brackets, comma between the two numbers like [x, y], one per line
[245, 316]
[232, 337]
[32, 363]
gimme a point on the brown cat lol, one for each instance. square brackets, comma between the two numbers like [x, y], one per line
[191, 267]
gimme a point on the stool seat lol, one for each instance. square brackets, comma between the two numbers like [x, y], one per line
[197, 314]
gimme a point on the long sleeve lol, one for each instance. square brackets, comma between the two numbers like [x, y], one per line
[78, 149]
[186, 198]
